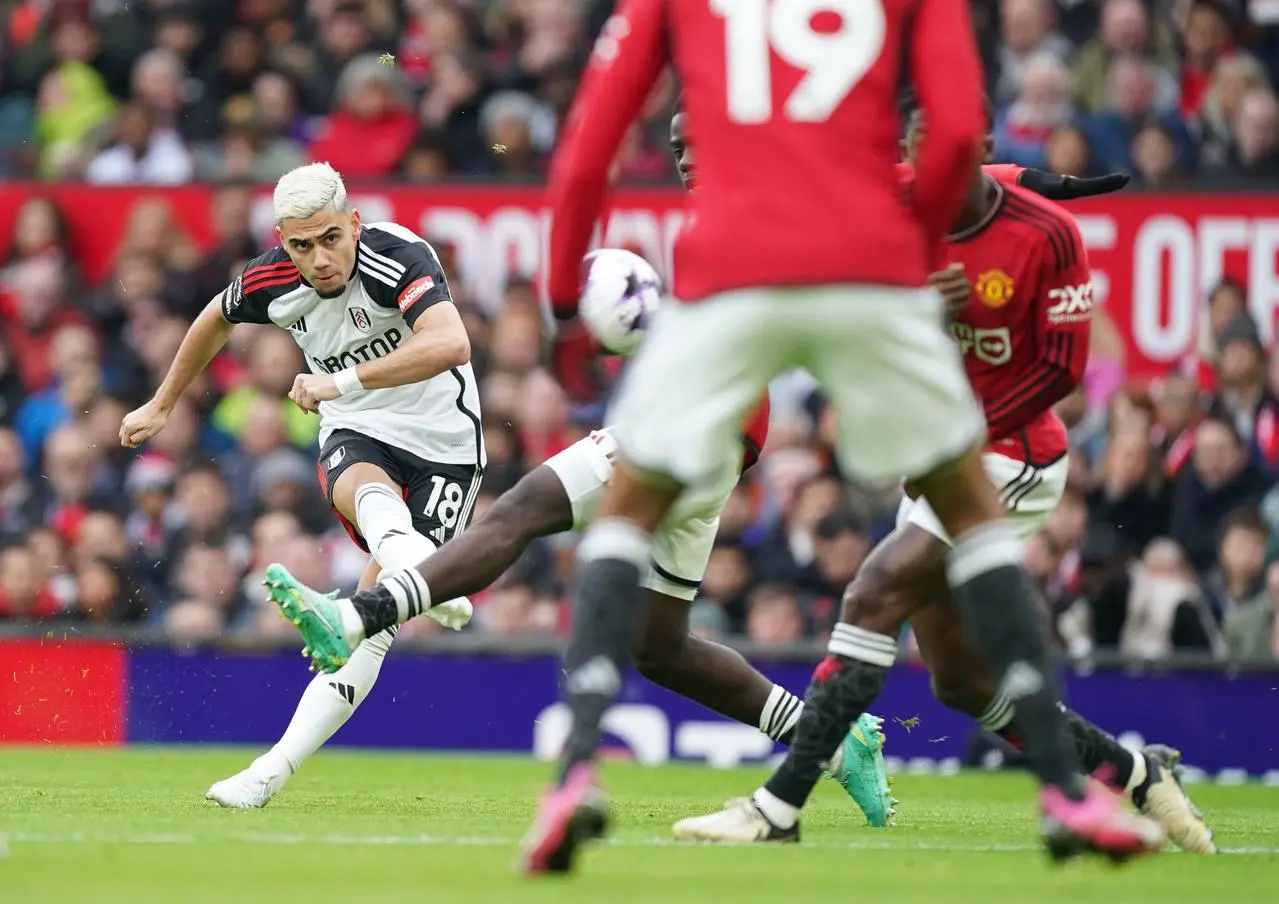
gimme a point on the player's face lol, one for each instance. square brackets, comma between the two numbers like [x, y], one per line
[322, 246]
[683, 153]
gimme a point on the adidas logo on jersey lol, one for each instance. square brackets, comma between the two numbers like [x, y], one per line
[298, 326]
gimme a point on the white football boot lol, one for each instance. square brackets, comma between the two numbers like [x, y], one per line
[249, 789]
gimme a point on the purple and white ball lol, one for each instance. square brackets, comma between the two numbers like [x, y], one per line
[621, 294]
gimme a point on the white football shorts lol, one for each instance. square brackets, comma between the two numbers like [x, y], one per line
[683, 542]
[892, 373]
[1030, 493]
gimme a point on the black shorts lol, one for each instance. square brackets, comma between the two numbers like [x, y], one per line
[440, 496]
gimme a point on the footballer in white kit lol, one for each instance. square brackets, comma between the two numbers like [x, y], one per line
[402, 452]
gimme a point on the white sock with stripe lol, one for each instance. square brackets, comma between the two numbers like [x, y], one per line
[781, 713]
[386, 524]
[998, 714]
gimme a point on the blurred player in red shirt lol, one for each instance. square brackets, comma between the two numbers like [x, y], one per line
[1019, 292]
[799, 252]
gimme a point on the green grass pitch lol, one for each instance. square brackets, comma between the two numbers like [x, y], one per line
[131, 827]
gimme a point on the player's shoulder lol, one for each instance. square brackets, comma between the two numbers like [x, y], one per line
[394, 242]
[264, 279]
[1045, 223]
[272, 272]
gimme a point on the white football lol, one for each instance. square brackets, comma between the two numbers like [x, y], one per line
[620, 295]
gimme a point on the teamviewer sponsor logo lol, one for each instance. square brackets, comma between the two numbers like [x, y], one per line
[416, 290]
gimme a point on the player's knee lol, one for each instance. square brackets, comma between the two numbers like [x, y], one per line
[658, 656]
[661, 648]
[875, 601]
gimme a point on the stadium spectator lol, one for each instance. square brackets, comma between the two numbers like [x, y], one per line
[1242, 395]
[1165, 609]
[1232, 78]
[1041, 105]
[1027, 29]
[1154, 158]
[1125, 34]
[1220, 479]
[773, 616]
[141, 152]
[1256, 134]
[1207, 37]
[1241, 558]
[1068, 151]
[1130, 497]
[1252, 630]
[372, 125]
[1129, 108]
[246, 150]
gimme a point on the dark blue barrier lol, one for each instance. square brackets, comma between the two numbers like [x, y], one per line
[471, 701]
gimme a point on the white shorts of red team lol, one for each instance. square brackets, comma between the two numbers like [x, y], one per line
[1029, 493]
[683, 542]
[880, 353]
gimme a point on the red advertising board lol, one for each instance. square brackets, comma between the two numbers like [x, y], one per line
[1153, 255]
[53, 692]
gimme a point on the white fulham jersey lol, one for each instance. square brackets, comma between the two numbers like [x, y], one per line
[397, 277]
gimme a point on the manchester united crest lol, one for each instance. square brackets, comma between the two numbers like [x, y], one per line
[994, 288]
[360, 318]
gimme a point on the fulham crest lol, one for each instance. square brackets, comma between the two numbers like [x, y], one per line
[360, 318]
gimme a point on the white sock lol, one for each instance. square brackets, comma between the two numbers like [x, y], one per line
[386, 524]
[781, 713]
[853, 642]
[326, 704]
[998, 713]
[779, 813]
[1139, 772]
[408, 588]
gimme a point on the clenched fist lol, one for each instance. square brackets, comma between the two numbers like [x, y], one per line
[140, 425]
[309, 390]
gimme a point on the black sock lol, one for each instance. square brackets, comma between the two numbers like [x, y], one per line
[378, 609]
[1096, 749]
[843, 686]
[998, 603]
[608, 613]
[1093, 746]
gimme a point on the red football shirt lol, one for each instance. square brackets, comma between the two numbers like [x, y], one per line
[1024, 334]
[793, 111]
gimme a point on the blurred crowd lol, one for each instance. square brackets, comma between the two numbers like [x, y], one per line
[1165, 541]
[168, 91]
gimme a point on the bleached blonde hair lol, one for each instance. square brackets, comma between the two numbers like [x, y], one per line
[307, 190]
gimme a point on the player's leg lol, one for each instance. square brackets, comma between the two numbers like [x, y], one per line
[408, 507]
[326, 705]
[905, 407]
[720, 678]
[900, 572]
[678, 414]
[550, 499]
[962, 681]
[716, 676]
[999, 607]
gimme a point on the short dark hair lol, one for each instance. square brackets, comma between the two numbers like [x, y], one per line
[1244, 518]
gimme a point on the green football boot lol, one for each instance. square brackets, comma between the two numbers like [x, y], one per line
[859, 769]
[315, 615]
